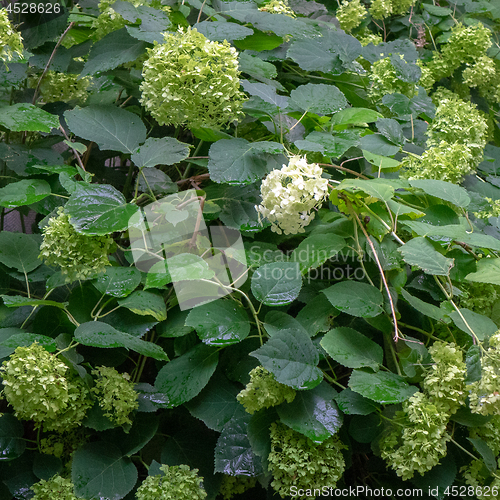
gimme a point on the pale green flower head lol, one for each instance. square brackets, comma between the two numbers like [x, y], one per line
[290, 195]
[400, 7]
[350, 14]
[189, 80]
[384, 80]
[63, 87]
[78, 255]
[10, 41]
[380, 9]
[179, 482]
[296, 461]
[278, 7]
[235, 485]
[264, 391]
[115, 394]
[56, 488]
[39, 388]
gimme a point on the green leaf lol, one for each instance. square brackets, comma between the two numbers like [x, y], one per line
[99, 470]
[233, 453]
[356, 299]
[238, 209]
[425, 308]
[316, 250]
[259, 41]
[174, 325]
[99, 209]
[456, 232]
[291, 357]
[254, 66]
[154, 179]
[352, 349]
[378, 144]
[331, 145]
[17, 194]
[98, 334]
[20, 300]
[46, 466]
[26, 117]
[12, 444]
[352, 403]
[381, 162]
[20, 251]
[188, 267]
[219, 323]
[219, 31]
[391, 130]
[145, 304]
[266, 93]
[158, 275]
[164, 151]
[382, 387]
[277, 283]
[319, 98]
[317, 315]
[481, 325]
[108, 126]
[444, 190]
[118, 281]
[238, 161]
[488, 271]
[355, 116]
[473, 363]
[184, 377]
[373, 187]
[26, 339]
[216, 404]
[116, 48]
[313, 413]
[143, 430]
[486, 453]
[420, 252]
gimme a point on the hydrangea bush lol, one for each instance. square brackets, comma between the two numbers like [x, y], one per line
[249, 249]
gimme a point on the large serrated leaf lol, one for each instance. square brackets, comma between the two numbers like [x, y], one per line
[238, 161]
[445, 190]
[316, 250]
[219, 31]
[99, 470]
[145, 303]
[313, 413]
[352, 349]
[319, 98]
[356, 299]
[20, 251]
[184, 377]
[98, 334]
[17, 194]
[116, 48]
[219, 323]
[164, 151]
[26, 117]
[277, 283]
[108, 126]
[118, 281]
[291, 357]
[99, 209]
[488, 271]
[420, 252]
[266, 93]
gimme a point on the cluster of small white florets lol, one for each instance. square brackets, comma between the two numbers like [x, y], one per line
[291, 194]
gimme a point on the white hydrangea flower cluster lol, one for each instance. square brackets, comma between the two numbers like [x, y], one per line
[291, 194]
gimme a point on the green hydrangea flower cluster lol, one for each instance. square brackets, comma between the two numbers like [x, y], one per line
[63, 445]
[384, 80]
[445, 162]
[116, 394]
[476, 475]
[480, 297]
[63, 87]
[418, 439]
[366, 37]
[109, 20]
[350, 14]
[296, 461]
[56, 488]
[484, 395]
[10, 41]
[235, 485]
[457, 121]
[489, 432]
[290, 195]
[263, 391]
[278, 7]
[37, 386]
[179, 482]
[444, 381]
[190, 80]
[492, 211]
[380, 9]
[78, 255]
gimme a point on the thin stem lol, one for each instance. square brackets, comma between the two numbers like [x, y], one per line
[344, 169]
[75, 152]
